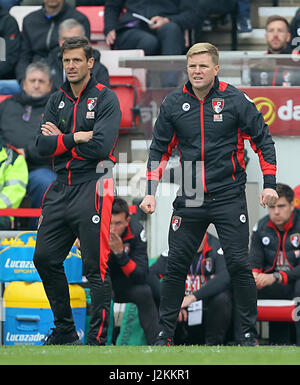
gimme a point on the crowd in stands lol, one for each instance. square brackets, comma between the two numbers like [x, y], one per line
[33, 58]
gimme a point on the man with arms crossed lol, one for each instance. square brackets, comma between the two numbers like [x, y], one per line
[79, 129]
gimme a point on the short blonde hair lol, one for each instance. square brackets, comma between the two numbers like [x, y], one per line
[204, 48]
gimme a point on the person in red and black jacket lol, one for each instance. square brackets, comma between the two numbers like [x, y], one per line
[275, 250]
[207, 280]
[129, 267]
[285, 72]
[208, 121]
[79, 130]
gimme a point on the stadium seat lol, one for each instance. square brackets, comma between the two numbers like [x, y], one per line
[127, 84]
[128, 91]
[95, 14]
[20, 11]
[275, 310]
[110, 59]
[3, 97]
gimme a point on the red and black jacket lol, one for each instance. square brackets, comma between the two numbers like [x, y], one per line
[96, 108]
[272, 250]
[211, 131]
[132, 266]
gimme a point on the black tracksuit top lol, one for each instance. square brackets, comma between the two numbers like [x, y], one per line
[97, 108]
[272, 250]
[211, 131]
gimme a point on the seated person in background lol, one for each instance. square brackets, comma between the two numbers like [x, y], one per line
[295, 29]
[71, 28]
[9, 31]
[165, 34]
[40, 32]
[20, 118]
[13, 181]
[129, 267]
[209, 281]
[275, 251]
[286, 71]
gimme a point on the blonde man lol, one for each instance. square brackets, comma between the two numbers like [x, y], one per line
[207, 120]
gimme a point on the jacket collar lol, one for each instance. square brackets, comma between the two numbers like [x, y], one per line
[66, 87]
[187, 88]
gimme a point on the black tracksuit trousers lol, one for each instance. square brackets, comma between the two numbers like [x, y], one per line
[229, 215]
[69, 211]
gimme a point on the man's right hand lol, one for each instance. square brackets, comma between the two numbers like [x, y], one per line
[83, 136]
[148, 204]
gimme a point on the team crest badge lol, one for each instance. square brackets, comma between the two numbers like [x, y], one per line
[91, 103]
[176, 222]
[218, 105]
[295, 239]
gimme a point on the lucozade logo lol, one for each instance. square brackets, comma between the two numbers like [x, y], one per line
[267, 107]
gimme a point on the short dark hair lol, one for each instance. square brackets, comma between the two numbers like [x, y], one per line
[277, 18]
[283, 190]
[120, 206]
[78, 42]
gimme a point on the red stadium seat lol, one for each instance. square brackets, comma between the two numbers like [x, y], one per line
[128, 90]
[3, 97]
[275, 310]
[95, 14]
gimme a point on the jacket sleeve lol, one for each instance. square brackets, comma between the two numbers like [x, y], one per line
[113, 9]
[256, 252]
[53, 145]
[135, 265]
[163, 142]
[12, 38]
[106, 128]
[15, 175]
[254, 128]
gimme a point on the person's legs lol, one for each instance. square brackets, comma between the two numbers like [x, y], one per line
[138, 38]
[91, 220]
[171, 39]
[141, 295]
[231, 222]
[183, 243]
[217, 318]
[244, 26]
[54, 240]
[39, 181]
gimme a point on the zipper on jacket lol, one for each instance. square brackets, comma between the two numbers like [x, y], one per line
[49, 34]
[202, 143]
[234, 165]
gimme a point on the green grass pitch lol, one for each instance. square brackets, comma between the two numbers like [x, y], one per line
[149, 355]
